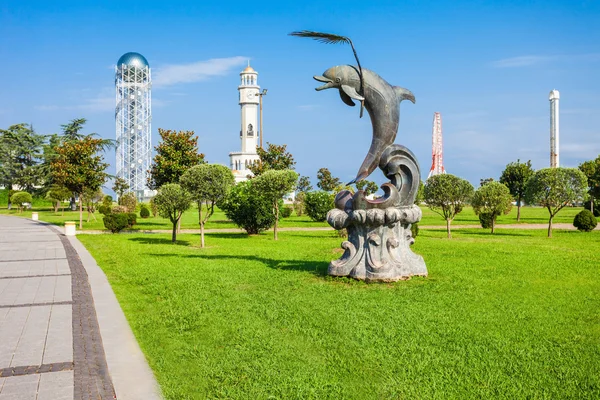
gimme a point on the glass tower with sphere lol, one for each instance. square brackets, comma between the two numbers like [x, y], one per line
[133, 115]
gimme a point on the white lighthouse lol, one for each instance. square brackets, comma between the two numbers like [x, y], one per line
[249, 99]
[554, 149]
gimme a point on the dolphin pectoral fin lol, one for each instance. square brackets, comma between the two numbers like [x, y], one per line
[404, 94]
[351, 92]
[346, 99]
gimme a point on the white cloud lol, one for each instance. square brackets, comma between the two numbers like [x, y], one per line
[521, 61]
[195, 72]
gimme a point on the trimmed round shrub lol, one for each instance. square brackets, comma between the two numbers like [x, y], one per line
[104, 209]
[285, 211]
[247, 209]
[131, 219]
[144, 212]
[587, 204]
[18, 198]
[486, 220]
[414, 229]
[116, 222]
[585, 221]
[317, 204]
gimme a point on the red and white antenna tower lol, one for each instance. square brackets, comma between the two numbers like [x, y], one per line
[437, 152]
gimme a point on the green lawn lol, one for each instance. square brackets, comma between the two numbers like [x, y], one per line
[219, 220]
[514, 315]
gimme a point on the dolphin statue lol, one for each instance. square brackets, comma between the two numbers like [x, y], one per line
[381, 100]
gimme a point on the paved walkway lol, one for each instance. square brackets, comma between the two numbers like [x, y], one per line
[62, 332]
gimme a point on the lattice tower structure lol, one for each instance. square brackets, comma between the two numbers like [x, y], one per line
[133, 115]
[437, 152]
[554, 131]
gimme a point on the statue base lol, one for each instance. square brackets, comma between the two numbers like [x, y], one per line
[378, 245]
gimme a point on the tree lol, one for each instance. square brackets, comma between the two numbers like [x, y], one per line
[326, 181]
[175, 154]
[492, 200]
[128, 201]
[71, 131]
[58, 194]
[20, 154]
[78, 166]
[91, 199]
[273, 185]
[19, 198]
[247, 208]
[208, 184]
[591, 169]
[420, 195]
[120, 186]
[554, 188]
[304, 184]
[369, 187]
[447, 195]
[172, 201]
[275, 157]
[485, 181]
[515, 177]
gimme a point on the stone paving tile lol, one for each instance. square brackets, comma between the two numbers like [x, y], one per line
[10, 332]
[59, 340]
[23, 387]
[62, 289]
[18, 251]
[34, 267]
[30, 348]
[56, 386]
[11, 291]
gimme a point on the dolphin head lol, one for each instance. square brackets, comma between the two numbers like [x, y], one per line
[346, 79]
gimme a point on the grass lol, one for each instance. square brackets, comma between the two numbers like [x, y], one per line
[219, 220]
[250, 318]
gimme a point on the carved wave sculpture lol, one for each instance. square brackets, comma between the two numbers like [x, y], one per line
[379, 234]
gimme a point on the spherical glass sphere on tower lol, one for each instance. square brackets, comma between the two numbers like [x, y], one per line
[133, 117]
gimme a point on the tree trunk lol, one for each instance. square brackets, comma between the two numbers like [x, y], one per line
[80, 213]
[276, 221]
[174, 235]
[56, 205]
[201, 224]
[448, 228]
[592, 204]
[519, 210]
[493, 223]
[179, 225]
[550, 227]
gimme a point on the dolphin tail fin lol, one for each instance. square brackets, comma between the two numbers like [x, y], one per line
[404, 94]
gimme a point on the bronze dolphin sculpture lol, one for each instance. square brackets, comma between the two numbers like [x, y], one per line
[381, 100]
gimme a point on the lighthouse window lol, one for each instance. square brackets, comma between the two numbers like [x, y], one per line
[250, 130]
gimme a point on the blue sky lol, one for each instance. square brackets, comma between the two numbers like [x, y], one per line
[486, 66]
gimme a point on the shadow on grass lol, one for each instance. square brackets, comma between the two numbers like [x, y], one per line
[491, 235]
[155, 240]
[315, 267]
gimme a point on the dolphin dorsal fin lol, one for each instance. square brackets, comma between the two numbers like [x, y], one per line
[404, 94]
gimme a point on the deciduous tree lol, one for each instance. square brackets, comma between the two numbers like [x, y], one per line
[172, 201]
[515, 177]
[591, 169]
[120, 186]
[554, 188]
[447, 195]
[79, 166]
[369, 187]
[492, 200]
[275, 157]
[19, 198]
[58, 194]
[247, 208]
[273, 185]
[208, 184]
[326, 181]
[175, 154]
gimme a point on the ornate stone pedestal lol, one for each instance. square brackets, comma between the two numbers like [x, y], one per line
[379, 235]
